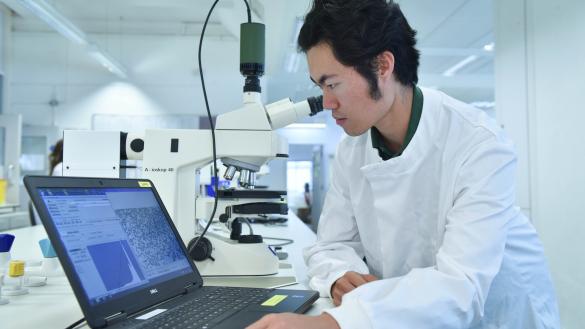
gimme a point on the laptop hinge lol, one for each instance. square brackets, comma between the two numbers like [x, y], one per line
[190, 288]
[115, 318]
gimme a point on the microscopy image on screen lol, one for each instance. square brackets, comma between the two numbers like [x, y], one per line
[115, 263]
[146, 228]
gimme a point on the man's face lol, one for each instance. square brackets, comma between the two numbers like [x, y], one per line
[345, 92]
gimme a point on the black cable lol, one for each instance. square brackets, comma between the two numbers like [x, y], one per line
[247, 223]
[216, 183]
[75, 324]
[249, 12]
[286, 241]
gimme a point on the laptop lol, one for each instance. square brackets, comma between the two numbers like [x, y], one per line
[128, 266]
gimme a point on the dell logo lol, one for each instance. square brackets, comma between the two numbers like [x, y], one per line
[153, 291]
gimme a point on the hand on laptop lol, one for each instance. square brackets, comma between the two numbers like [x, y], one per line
[348, 282]
[294, 321]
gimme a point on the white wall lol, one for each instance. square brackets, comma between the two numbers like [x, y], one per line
[511, 87]
[5, 54]
[557, 115]
[543, 70]
[163, 77]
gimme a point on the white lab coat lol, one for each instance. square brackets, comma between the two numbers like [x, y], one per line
[439, 225]
[58, 170]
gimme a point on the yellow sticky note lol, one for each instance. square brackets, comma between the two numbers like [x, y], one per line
[16, 268]
[274, 300]
[144, 184]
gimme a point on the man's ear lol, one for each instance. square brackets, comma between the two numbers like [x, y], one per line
[385, 65]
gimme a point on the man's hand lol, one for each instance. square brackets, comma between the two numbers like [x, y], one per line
[295, 321]
[348, 282]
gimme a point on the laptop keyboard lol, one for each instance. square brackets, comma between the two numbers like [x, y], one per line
[204, 311]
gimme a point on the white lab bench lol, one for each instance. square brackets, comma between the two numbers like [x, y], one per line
[55, 306]
[11, 217]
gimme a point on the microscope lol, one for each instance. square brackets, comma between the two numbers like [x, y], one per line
[173, 158]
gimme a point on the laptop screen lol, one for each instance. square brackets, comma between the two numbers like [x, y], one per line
[118, 239]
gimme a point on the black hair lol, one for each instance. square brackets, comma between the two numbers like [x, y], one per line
[56, 156]
[358, 31]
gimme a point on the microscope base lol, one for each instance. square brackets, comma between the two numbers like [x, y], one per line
[237, 259]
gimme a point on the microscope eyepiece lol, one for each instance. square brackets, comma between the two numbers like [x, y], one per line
[316, 104]
[252, 84]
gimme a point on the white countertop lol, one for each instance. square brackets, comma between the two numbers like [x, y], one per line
[55, 306]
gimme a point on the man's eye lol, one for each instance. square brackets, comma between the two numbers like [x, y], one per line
[331, 85]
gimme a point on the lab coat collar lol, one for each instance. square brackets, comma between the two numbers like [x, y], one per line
[419, 147]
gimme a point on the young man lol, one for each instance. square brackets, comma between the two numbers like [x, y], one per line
[419, 227]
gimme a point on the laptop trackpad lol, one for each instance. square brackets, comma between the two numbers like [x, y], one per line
[241, 319]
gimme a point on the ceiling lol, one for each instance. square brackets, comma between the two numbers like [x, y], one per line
[449, 31]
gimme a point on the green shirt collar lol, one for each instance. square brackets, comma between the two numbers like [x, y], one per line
[415, 114]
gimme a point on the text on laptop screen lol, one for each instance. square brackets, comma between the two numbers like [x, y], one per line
[118, 239]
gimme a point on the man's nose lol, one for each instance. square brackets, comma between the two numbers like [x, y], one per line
[329, 102]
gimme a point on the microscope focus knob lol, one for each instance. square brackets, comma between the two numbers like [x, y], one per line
[201, 251]
[223, 218]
